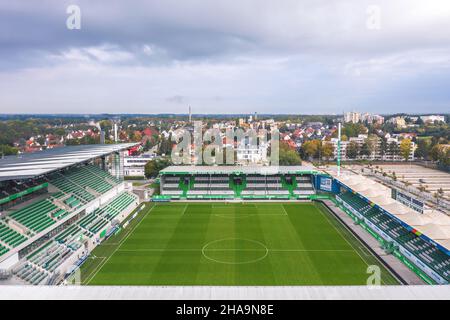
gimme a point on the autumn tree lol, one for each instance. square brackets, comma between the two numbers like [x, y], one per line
[327, 150]
[405, 149]
[311, 148]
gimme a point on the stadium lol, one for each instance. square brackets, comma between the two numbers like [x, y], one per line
[68, 213]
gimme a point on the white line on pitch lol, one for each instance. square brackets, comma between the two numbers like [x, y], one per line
[123, 240]
[225, 249]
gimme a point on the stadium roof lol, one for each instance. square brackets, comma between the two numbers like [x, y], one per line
[435, 226]
[265, 170]
[29, 165]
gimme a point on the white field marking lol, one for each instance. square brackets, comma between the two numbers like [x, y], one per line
[364, 260]
[198, 250]
[364, 251]
[89, 278]
[266, 251]
[120, 244]
[284, 209]
[127, 230]
[251, 214]
[246, 215]
[184, 210]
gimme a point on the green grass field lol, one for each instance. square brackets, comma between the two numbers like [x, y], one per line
[232, 244]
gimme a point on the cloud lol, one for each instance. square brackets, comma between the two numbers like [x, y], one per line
[101, 54]
[177, 99]
[286, 56]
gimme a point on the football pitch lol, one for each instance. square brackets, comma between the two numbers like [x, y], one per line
[232, 244]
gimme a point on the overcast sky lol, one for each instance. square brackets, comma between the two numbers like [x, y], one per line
[268, 56]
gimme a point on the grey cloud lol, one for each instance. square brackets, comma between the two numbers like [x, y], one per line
[177, 99]
[273, 56]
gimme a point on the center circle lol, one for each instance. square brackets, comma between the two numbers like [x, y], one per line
[235, 251]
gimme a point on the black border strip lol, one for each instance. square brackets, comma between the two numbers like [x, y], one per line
[384, 263]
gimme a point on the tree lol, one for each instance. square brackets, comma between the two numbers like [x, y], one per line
[365, 150]
[394, 176]
[327, 150]
[354, 129]
[383, 148]
[441, 154]
[423, 148]
[405, 149]
[352, 150]
[147, 145]
[288, 156]
[434, 152]
[165, 146]
[372, 144]
[6, 150]
[136, 136]
[153, 167]
[311, 148]
[438, 196]
[393, 149]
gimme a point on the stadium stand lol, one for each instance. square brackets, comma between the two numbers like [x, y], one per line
[31, 274]
[236, 182]
[424, 251]
[36, 216]
[15, 192]
[10, 237]
[67, 186]
[44, 226]
[45, 259]
[12, 187]
[3, 250]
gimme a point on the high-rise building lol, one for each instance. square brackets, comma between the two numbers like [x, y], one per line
[432, 118]
[353, 117]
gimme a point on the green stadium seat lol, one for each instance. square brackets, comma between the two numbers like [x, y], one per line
[35, 216]
[10, 236]
[428, 254]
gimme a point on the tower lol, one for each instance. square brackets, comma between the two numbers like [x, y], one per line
[115, 132]
[190, 114]
[339, 151]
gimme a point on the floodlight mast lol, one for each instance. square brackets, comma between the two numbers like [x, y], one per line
[339, 151]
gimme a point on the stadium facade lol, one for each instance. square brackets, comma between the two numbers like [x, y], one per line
[56, 206]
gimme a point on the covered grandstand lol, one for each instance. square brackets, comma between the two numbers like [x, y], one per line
[56, 206]
[232, 182]
[420, 240]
